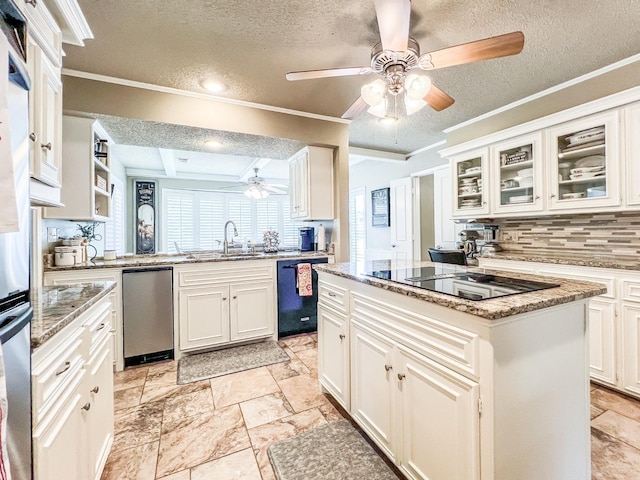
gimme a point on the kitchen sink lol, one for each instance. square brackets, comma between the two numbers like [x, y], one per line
[239, 255]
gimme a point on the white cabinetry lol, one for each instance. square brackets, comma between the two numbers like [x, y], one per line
[470, 183]
[72, 385]
[86, 193]
[224, 302]
[445, 229]
[632, 154]
[73, 277]
[311, 184]
[583, 163]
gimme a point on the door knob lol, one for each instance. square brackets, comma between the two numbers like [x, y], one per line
[95, 389]
[46, 146]
[341, 336]
[393, 245]
[388, 367]
[33, 137]
[401, 376]
[86, 406]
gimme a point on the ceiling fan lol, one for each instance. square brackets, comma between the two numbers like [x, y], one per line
[398, 93]
[257, 187]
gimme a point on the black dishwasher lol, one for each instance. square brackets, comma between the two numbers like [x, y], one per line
[296, 314]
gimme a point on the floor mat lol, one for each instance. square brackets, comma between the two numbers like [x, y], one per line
[333, 452]
[200, 366]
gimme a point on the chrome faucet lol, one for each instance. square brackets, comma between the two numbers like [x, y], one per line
[225, 244]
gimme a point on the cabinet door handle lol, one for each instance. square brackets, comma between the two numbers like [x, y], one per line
[86, 406]
[95, 389]
[388, 367]
[401, 376]
[341, 336]
[537, 197]
[46, 146]
[224, 298]
[235, 296]
[33, 3]
[331, 294]
[393, 245]
[33, 137]
[552, 195]
[102, 325]
[67, 366]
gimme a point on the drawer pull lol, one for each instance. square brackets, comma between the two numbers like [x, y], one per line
[401, 376]
[46, 146]
[224, 298]
[95, 389]
[102, 325]
[67, 366]
[86, 406]
[33, 3]
[341, 336]
[331, 294]
[388, 367]
[234, 297]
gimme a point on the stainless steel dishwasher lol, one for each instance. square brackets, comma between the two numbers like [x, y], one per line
[147, 297]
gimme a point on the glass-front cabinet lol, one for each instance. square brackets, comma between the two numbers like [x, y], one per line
[470, 184]
[516, 175]
[584, 156]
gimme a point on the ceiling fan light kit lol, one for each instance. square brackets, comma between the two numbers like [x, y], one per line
[399, 93]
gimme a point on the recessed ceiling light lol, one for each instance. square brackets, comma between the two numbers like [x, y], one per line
[388, 120]
[212, 85]
[213, 143]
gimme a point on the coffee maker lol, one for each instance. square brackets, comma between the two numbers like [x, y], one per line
[306, 239]
[468, 242]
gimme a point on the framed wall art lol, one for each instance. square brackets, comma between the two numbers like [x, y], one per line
[145, 217]
[380, 208]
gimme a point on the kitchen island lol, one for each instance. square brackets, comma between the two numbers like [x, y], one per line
[454, 388]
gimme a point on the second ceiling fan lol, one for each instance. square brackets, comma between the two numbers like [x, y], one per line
[398, 92]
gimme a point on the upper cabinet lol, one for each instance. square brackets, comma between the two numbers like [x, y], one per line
[49, 26]
[311, 184]
[517, 174]
[86, 192]
[632, 154]
[583, 158]
[470, 183]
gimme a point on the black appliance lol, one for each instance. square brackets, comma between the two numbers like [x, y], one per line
[15, 306]
[468, 285]
[296, 314]
[306, 239]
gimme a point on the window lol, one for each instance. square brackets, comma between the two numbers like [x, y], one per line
[357, 224]
[114, 230]
[194, 220]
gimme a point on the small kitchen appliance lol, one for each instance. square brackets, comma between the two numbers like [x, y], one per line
[306, 239]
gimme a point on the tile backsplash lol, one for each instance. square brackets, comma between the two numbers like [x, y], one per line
[604, 233]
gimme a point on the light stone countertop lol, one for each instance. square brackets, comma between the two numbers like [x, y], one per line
[205, 257]
[56, 306]
[585, 259]
[492, 308]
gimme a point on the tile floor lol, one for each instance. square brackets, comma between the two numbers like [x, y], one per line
[221, 428]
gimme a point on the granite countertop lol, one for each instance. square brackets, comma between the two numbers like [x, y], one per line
[204, 257]
[55, 307]
[586, 259]
[492, 308]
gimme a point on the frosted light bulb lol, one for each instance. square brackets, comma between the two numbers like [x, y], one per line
[417, 86]
[373, 93]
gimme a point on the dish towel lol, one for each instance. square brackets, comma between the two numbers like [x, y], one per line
[5, 471]
[304, 280]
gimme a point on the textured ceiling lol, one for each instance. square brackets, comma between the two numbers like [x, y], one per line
[250, 46]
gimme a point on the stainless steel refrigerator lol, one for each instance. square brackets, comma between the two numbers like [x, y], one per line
[15, 307]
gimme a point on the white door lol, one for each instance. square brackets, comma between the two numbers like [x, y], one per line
[333, 354]
[204, 316]
[372, 374]
[439, 420]
[445, 229]
[252, 310]
[402, 218]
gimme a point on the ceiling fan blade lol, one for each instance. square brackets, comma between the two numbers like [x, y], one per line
[329, 72]
[277, 185]
[393, 23]
[494, 47]
[437, 99]
[269, 188]
[355, 109]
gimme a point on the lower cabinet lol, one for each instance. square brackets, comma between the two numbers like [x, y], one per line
[602, 340]
[72, 384]
[224, 303]
[333, 353]
[631, 328]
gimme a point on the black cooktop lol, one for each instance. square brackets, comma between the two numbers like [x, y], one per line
[471, 286]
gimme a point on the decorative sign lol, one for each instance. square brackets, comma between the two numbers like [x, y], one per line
[380, 208]
[145, 217]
